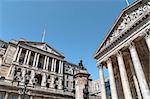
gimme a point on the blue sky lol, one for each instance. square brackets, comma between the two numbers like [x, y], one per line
[73, 27]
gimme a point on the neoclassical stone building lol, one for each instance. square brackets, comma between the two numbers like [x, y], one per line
[125, 51]
[35, 70]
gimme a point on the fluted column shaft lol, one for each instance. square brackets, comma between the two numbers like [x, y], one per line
[102, 81]
[124, 78]
[112, 80]
[135, 80]
[139, 72]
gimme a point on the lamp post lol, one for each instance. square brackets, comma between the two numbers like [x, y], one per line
[86, 92]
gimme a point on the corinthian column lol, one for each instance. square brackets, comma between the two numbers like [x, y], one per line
[124, 78]
[139, 72]
[112, 80]
[38, 55]
[52, 66]
[26, 57]
[55, 65]
[102, 81]
[34, 61]
[62, 67]
[59, 71]
[135, 80]
[19, 54]
[45, 62]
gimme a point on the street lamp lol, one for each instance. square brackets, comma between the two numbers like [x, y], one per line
[86, 92]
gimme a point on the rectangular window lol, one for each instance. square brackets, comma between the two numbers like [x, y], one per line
[2, 95]
[13, 96]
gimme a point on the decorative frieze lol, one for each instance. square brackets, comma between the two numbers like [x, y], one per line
[128, 20]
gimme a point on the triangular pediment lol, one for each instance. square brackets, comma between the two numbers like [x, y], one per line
[43, 46]
[127, 18]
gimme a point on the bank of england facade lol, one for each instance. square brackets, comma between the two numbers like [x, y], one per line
[35, 70]
[125, 52]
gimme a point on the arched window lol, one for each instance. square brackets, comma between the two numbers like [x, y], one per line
[39, 79]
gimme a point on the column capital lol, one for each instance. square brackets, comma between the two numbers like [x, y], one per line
[131, 45]
[147, 33]
[119, 53]
[108, 60]
[99, 66]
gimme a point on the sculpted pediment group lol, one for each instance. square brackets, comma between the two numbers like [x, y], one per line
[125, 22]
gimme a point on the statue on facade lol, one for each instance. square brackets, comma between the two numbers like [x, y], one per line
[81, 65]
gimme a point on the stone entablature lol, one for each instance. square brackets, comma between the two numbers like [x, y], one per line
[125, 22]
[124, 40]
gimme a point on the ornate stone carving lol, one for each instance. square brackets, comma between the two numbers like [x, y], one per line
[17, 74]
[127, 21]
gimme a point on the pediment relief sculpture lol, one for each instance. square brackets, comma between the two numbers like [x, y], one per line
[127, 20]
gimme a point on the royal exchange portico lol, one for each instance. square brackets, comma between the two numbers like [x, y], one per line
[125, 52]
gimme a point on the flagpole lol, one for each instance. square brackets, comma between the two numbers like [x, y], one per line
[127, 2]
[43, 35]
